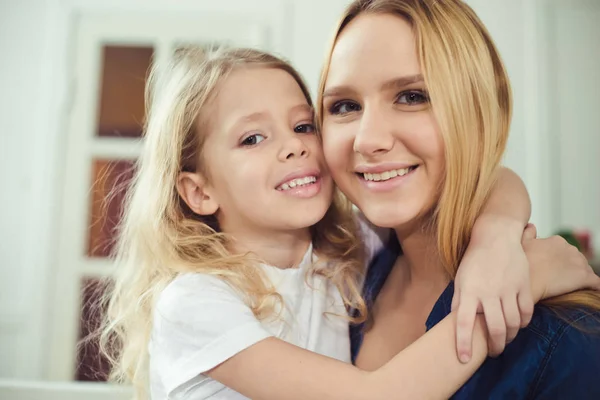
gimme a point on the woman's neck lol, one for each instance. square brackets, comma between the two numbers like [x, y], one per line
[421, 259]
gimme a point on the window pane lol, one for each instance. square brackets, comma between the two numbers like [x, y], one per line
[121, 108]
[91, 366]
[110, 180]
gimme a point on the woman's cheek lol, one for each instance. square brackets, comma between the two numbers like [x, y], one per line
[336, 143]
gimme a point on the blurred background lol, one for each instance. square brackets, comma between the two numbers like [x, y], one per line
[71, 106]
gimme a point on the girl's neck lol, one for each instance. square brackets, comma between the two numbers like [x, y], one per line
[279, 249]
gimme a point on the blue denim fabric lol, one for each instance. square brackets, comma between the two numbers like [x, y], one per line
[549, 359]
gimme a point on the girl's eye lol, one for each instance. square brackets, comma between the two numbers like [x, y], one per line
[253, 139]
[304, 128]
[412, 97]
[344, 107]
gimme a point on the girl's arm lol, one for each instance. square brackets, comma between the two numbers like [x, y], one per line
[493, 277]
[510, 200]
[427, 369]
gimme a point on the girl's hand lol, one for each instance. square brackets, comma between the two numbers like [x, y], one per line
[556, 267]
[493, 278]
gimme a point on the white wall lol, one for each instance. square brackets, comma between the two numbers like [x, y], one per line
[30, 105]
[515, 26]
[552, 54]
[34, 49]
[312, 34]
[575, 110]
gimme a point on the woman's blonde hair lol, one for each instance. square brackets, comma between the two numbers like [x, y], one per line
[472, 102]
[159, 236]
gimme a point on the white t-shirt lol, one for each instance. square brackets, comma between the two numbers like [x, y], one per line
[200, 322]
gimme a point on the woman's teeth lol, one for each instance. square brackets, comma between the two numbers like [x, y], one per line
[384, 176]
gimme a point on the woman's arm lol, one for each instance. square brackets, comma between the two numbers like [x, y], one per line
[427, 369]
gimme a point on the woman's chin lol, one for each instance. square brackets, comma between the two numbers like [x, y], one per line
[398, 215]
[386, 218]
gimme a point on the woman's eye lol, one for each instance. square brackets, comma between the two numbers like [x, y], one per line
[412, 97]
[344, 107]
[304, 128]
[253, 139]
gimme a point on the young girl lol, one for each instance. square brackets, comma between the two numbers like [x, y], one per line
[238, 265]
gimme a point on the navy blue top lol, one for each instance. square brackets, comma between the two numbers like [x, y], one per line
[550, 359]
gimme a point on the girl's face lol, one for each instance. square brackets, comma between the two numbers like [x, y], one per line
[381, 141]
[264, 162]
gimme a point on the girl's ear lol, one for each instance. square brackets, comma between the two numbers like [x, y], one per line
[197, 194]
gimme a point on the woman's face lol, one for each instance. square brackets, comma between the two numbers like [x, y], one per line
[381, 141]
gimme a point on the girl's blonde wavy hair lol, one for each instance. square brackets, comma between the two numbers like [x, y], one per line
[159, 236]
[472, 102]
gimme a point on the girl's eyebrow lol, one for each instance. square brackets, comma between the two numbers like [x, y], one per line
[257, 116]
[246, 119]
[302, 108]
[261, 116]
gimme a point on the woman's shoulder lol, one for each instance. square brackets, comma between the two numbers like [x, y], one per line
[570, 338]
[555, 323]
[556, 356]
